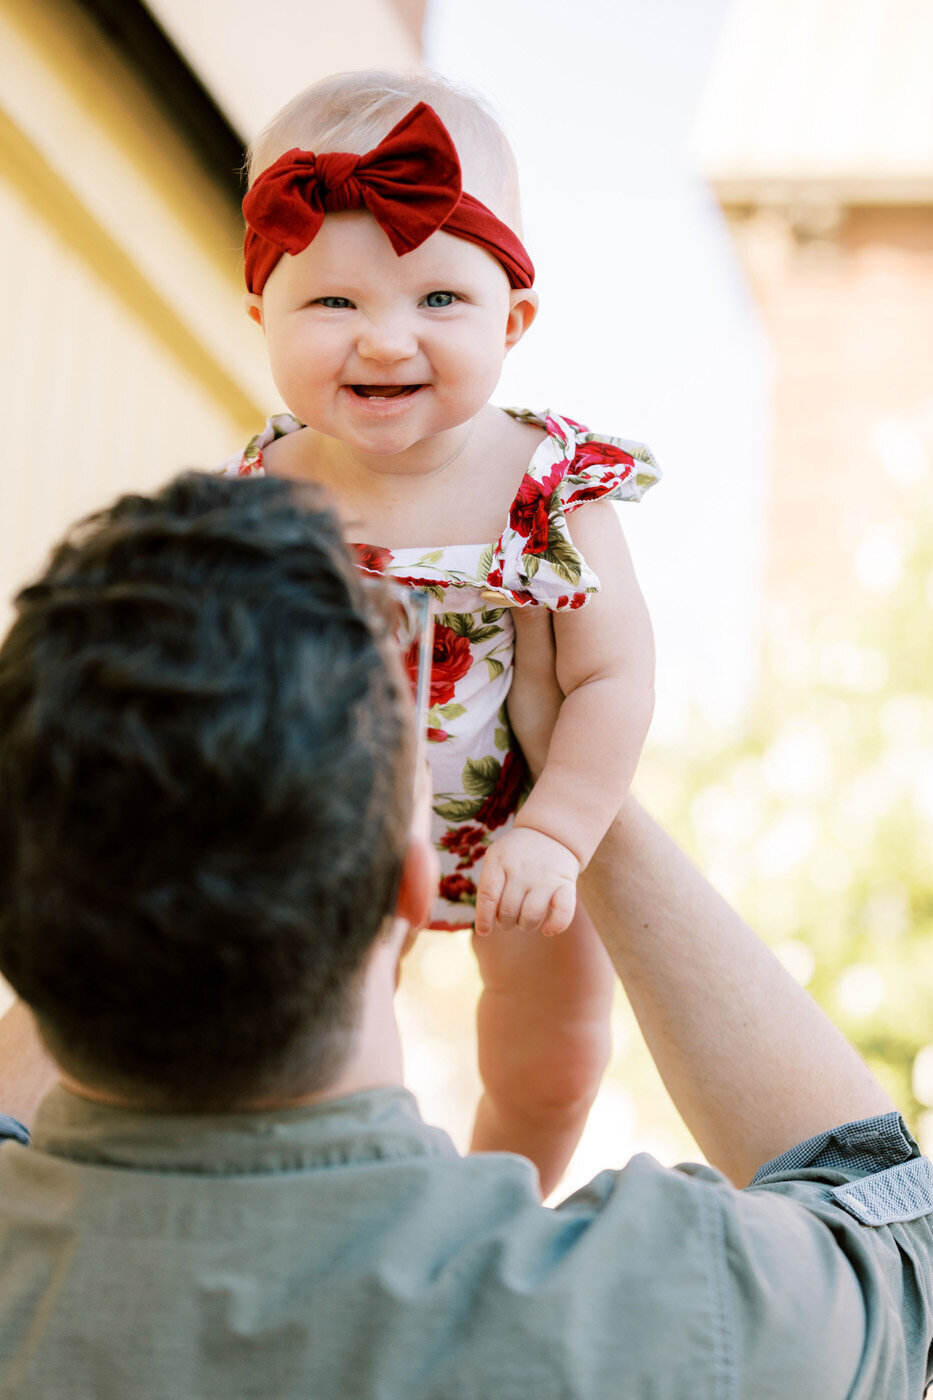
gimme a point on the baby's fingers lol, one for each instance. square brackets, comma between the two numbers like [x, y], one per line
[510, 902]
[491, 885]
[534, 910]
[562, 909]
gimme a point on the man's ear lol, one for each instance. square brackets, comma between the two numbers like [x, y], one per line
[523, 308]
[253, 305]
[420, 875]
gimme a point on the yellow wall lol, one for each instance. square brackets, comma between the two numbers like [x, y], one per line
[124, 354]
[252, 69]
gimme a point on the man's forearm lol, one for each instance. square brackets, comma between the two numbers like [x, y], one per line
[27, 1072]
[751, 1062]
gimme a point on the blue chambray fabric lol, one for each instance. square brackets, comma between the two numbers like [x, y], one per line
[901, 1193]
[346, 1250]
[12, 1128]
[897, 1184]
[867, 1145]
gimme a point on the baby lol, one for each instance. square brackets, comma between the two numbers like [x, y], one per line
[384, 266]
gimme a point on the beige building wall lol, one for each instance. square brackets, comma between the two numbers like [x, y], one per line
[99, 401]
[125, 354]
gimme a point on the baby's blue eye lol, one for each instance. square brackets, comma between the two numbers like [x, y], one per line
[436, 300]
[334, 303]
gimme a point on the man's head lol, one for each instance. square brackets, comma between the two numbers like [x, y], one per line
[205, 794]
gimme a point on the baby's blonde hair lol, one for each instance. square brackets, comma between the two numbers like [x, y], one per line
[353, 111]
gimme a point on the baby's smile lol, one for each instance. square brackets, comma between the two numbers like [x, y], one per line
[384, 391]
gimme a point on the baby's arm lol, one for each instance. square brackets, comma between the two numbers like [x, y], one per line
[605, 668]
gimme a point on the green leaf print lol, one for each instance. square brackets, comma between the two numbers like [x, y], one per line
[480, 775]
[485, 562]
[464, 625]
[495, 667]
[529, 565]
[492, 614]
[437, 591]
[501, 738]
[451, 711]
[459, 810]
[483, 634]
[563, 558]
[460, 623]
[435, 557]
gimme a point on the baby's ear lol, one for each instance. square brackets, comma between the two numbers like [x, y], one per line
[253, 305]
[523, 308]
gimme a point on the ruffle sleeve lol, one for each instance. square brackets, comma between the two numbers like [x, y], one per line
[534, 561]
[249, 461]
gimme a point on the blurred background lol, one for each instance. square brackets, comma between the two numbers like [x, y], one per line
[730, 205]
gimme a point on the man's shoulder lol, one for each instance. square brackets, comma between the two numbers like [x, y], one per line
[381, 1247]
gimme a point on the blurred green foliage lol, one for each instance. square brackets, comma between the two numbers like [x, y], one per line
[816, 820]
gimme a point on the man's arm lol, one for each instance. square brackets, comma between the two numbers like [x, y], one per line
[750, 1061]
[27, 1072]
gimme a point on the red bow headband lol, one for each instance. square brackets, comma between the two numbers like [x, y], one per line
[410, 183]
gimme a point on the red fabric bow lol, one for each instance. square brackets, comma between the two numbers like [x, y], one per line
[410, 183]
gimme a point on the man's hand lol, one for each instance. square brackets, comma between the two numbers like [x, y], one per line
[529, 881]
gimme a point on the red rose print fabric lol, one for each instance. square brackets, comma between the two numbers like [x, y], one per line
[477, 768]
[449, 664]
[373, 558]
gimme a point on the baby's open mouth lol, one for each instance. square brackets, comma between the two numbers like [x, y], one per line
[384, 391]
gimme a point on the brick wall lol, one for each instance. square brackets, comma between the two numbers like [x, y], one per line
[847, 297]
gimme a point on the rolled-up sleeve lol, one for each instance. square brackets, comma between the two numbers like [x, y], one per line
[13, 1130]
[828, 1268]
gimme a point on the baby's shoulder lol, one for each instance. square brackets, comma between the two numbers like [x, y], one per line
[545, 439]
[286, 450]
[520, 432]
[507, 449]
[535, 560]
[262, 447]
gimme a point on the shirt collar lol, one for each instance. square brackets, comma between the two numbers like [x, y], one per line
[378, 1124]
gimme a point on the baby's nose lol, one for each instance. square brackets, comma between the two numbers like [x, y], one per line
[388, 339]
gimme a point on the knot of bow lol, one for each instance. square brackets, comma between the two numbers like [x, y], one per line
[410, 183]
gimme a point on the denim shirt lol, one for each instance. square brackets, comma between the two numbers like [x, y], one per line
[346, 1251]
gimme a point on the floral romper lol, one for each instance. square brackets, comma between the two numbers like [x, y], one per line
[477, 768]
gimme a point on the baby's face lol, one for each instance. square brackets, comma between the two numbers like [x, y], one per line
[381, 351]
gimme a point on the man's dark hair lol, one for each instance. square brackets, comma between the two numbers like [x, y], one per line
[205, 792]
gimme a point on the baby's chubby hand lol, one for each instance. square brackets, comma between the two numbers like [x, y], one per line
[528, 881]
